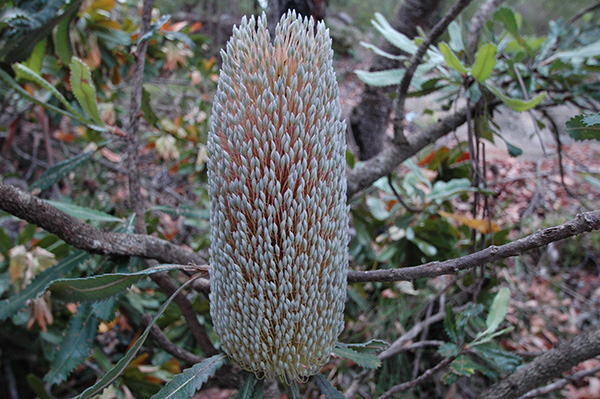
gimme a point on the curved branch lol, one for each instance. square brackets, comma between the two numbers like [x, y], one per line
[583, 223]
[546, 366]
[415, 61]
[88, 238]
[366, 173]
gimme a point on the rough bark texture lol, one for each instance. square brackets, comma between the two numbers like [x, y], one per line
[547, 366]
[369, 119]
[84, 236]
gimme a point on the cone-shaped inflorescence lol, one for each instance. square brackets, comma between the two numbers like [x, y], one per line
[277, 187]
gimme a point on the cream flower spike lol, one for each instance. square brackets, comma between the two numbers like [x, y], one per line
[277, 187]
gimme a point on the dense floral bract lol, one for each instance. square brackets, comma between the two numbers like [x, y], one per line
[277, 186]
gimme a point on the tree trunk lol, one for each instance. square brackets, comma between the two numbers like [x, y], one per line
[369, 119]
[306, 8]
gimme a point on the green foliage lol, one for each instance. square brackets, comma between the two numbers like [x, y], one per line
[328, 390]
[59, 171]
[76, 344]
[101, 287]
[184, 385]
[83, 88]
[117, 370]
[247, 390]
[365, 354]
[582, 127]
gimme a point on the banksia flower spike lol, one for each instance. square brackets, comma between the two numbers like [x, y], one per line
[277, 187]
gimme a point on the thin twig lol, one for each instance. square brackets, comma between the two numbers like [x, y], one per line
[582, 13]
[584, 222]
[530, 111]
[419, 380]
[164, 342]
[415, 61]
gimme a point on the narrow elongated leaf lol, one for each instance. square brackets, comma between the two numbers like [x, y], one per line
[247, 389]
[516, 104]
[381, 78]
[12, 305]
[25, 73]
[455, 33]
[116, 371]
[591, 50]
[373, 345]
[83, 213]
[37, 56]
[97, 288]
[25, 94]
[154, 28]
[398, 39]
[485, 60]
[451, 60]
[75, 345]
[498, 309]
[62, 42]
[326, 388]
[184, 385]
[61, 170]
[581, 127]
[83, 88]
[381, 52]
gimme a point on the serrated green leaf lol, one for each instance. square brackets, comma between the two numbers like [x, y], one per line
[247, 390]
[116, 371]
[502, 360]
[75, 346]
[83, 213]
[516, 104]
[381, 78]
[83, 88]
[62, 42]
[98, 288]
[448, 349]
[59, 171]
[326, 388]
[185, 384]
[259, 389]
[581, 127]
[371, 346]
[491, 335]
[12, 305]
[498, 309]
[366, 360]
[485, 60]
[363, 354]
[451, 60]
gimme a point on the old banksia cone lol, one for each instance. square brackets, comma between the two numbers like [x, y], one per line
[277, 187]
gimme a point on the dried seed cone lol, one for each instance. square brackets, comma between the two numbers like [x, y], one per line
[277, 188]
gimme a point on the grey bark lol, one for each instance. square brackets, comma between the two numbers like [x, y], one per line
[547, 366]
[369, 119]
